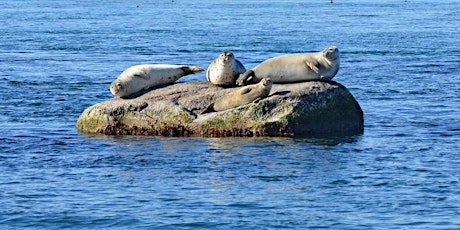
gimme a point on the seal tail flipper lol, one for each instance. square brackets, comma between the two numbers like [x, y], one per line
[208, 109]
[244, 78]
[192, 69]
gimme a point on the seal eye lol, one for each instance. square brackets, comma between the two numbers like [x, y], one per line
[119, 86]
[332, 49]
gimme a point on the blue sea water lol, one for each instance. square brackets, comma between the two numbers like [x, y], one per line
[400, 59]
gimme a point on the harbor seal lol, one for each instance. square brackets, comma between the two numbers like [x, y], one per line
[141, 77]
[295, 67]
[241, 96]
[224, 70]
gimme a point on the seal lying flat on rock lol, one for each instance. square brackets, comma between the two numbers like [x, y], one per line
[242, 96]
[295, 67]
[224, 70]
[141, 77]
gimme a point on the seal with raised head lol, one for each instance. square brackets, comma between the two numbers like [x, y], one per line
[241, 96]
[295, 67]
[142, 77]
[224, 70]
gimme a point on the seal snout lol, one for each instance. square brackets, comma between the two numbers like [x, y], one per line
[267, 82]
[227, 55]
[331, 52]
[115, 87]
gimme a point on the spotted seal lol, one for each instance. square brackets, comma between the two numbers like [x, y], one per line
[224, 70]
[141, 77]
[295, 67]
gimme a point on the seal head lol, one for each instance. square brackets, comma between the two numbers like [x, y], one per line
[117, 88]
[330, 68]
[131, 80]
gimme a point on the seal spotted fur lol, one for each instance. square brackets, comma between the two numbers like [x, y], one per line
[224, 70]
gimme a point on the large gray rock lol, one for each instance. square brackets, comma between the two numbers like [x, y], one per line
[306, 109]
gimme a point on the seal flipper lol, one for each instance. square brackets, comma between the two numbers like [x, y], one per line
[313, 66]
[244, 78]
[142, 75]
[191, 69]
[208, 109]
[244, 91]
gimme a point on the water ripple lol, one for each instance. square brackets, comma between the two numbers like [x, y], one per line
[399, 62]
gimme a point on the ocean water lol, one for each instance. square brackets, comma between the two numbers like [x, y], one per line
[400, 59]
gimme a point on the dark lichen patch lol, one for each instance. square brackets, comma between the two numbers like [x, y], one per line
[138, 107]
[235, 132]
